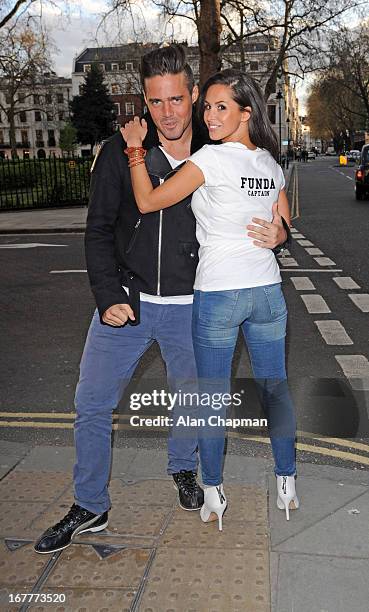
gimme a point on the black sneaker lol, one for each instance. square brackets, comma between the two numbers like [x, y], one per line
[77, 520]
[190, 494]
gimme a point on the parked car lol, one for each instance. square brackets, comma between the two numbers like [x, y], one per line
[362, 174]
[353, 155]
[330, 151]
[311, 155]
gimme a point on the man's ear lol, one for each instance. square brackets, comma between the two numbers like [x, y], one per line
[246, 113]
[195, 94]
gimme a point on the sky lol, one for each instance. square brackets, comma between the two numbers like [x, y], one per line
[80, 27]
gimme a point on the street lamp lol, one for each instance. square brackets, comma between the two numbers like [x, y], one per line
[279, 97]
[288, 140]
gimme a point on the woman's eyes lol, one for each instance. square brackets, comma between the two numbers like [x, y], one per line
[219, 107]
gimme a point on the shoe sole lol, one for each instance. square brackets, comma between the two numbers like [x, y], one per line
[91, 529]
[180, 505]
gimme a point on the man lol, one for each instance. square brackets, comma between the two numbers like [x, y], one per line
[141, 271]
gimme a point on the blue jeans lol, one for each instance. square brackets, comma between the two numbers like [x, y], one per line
[262, 314]
[110, 357]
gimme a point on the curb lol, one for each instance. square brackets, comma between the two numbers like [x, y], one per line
[46, 230]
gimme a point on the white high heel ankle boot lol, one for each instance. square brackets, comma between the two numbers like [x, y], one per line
[214, 504]
[287, 499]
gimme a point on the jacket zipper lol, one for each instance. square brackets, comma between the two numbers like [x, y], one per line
[134, 236]
[159, 246]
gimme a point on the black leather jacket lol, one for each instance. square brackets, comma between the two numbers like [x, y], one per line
[155, 253]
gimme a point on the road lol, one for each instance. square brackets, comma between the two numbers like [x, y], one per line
[46, 306]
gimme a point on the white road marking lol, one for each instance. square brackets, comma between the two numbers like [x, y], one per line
[30, 245]
[356, 369]
[314, 251]
[349, 177]
[305, 243]
[65, 271]
[302, 283]
[333, 333]
[288, 261]
[361, 300]
[298, 236]
[324, 261]
[346, 282]
[293, 230]
[315, 304]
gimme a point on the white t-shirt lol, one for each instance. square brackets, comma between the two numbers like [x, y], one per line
[239, 184]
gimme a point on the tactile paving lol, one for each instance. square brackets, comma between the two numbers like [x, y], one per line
[88, 600]
[16, 518]
[193, 533]
[33, 486]
[22, 566]
[80, 566]
[204, 580]
[147, 492]
[136, 519]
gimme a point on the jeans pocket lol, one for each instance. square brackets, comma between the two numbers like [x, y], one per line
[275, 299]
[217, 306]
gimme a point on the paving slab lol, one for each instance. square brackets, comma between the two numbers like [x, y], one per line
[321, 584]
[320, 501]
[185, 580]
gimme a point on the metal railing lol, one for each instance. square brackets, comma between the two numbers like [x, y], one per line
[44, 183]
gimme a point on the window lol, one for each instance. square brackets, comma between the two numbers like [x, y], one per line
[21, 98]
[80, 89]
[102, 67]
[254, 66]
[36, 99]
[48, 98]
[49, 116]
[130, 108]
[61, 115]
[129, 65]
[37, 116]
[24, 137]
[59, 98]
[23, 117]
[115, 88]
[39, 134]
[271, 113]
[51, 138]
[86, 67]
[115, 67]
[1, 137]
[117, 108]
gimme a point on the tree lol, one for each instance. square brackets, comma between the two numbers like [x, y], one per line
[23, 61]
[12, 10]
[68, 139]
[93, 112]
[298, 26]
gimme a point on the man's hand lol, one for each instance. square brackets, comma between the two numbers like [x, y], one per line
[118, 315]
[268, 235]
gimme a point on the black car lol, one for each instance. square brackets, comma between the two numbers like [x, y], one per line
[362, 174]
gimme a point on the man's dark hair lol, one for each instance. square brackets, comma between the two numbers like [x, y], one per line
[166, 60]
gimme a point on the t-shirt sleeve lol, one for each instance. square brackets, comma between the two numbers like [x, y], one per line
[281, 177]
[207, 160]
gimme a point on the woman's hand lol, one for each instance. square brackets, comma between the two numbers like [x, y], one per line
[134, 132]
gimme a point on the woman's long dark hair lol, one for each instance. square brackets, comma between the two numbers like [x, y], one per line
[246, 92]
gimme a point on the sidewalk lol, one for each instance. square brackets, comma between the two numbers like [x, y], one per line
[155, 557]
[57, 220]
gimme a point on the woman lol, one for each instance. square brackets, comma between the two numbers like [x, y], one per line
[237, 283]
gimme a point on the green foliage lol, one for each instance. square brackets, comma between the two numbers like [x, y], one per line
[93, 112]
[68, 138]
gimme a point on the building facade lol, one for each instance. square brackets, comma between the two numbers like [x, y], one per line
[120, 65]
[41, 114]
